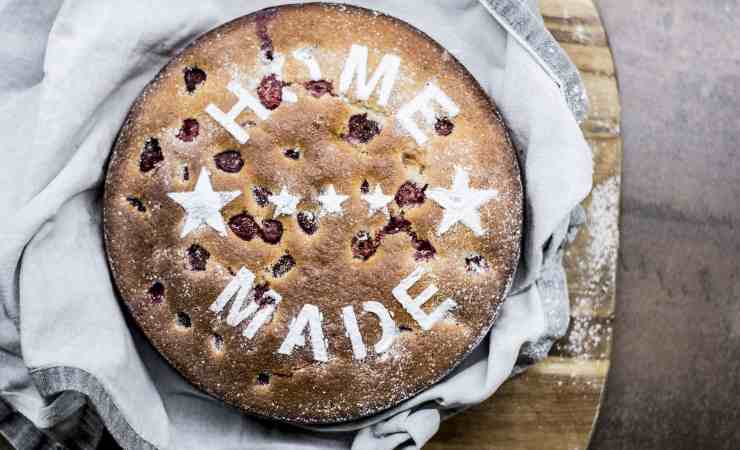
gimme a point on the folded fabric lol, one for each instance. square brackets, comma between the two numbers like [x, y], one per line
[71, 364]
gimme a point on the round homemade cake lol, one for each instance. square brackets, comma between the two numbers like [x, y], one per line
[314, 212]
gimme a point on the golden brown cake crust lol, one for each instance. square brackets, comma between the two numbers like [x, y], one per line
[155, 269]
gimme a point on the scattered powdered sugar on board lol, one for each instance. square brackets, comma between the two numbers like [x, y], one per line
[594, 254]
[603, 225]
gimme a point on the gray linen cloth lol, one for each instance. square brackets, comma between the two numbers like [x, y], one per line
[69, 362]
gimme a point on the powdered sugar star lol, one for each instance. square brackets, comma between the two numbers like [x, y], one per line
[285, 203]
[461, 203]
[203, 205]
[377, 201]
[331, 202]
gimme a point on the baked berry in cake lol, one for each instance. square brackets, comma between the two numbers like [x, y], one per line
[313, 212]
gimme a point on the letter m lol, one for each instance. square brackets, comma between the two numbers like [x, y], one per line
[356, 65]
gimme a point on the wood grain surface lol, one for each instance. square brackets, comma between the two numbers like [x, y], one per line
[555, 404]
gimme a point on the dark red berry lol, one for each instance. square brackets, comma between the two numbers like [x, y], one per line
[189, 130]
[293, 153]
[363, 245]
[283, 265]
[424, 249]
[410, 194]
[272, 231]
[397, 224]
[261, 195]
[362, 129]
[151, 155]
[156, 292]
[229, 161]
[270, 91]
[259, 294]
[404, 328]
[198, 257]
[183, 320]
[244, 226]
[263, 378]
[218, 342]
[307, 221]
[136, 203]
[443, 126]
[476, 263]
[262, 18]
[365, 187]
[194, 76]
[185, 173]
[317, 88]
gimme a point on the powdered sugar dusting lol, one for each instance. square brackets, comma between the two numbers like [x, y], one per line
[314, 196]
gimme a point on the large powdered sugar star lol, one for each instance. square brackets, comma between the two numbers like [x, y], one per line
[331, 202]
[377, 201]
[203, 205]
[461, 203]
[285, 203]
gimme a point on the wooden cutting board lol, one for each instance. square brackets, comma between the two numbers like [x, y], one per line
[554, 405]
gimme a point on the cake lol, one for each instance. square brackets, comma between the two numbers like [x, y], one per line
[313, 212]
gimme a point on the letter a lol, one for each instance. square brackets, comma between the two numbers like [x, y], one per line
[309, 316]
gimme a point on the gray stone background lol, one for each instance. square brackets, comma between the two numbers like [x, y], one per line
[675, 376]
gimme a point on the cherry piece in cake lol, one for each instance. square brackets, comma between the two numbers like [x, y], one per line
[476, 263]
[217, 342]
[136, 203]
[263, 379]
[365, 187]
[410, 194]
[189, 130]
[244, 226]
[292, 153]
[183, 320]
[443, 126]
[229, 161]
[396, 224]
[194, 76]
[156, 292]
[272, 231]
[198, 257]
[363, 245]
[307, 221]
[362, 129]
[259, 294]
[270, 91]
[261, 195]
[424, 249]
[265, 41]
[151, 155]
[283, 265]
[318, 88]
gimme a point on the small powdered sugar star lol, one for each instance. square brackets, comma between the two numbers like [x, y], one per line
[461, 203]
[377, 201]
[331, 202]
[285, 203]
[203, 205]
